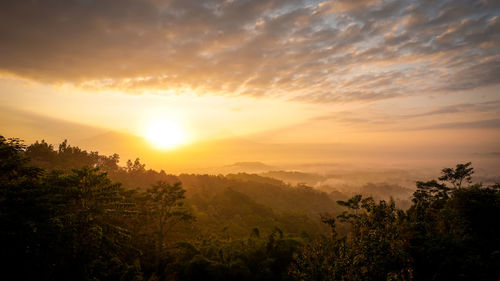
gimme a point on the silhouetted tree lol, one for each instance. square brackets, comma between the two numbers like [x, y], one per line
[165, 209]
[449, 233]
[458, 175]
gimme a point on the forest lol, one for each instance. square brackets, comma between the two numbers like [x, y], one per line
[70, 214]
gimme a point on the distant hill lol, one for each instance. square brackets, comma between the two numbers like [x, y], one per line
[248, 167]
[295, 177]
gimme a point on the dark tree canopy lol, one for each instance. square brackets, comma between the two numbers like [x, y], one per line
[449, 233]
[69, 214]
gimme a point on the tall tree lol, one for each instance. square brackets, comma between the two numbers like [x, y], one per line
[165, 208]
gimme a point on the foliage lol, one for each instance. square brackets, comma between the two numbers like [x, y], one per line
[73, 222]
[64, 216]
[449, 233]
[371, 251]
[164, 209]
[61, 226]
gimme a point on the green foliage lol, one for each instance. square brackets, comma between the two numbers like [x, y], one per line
[164, 209]
[371, 251]
[253, 258]
[454, 234]
[449, 233]
[60, 226]
[14, 166]
[242, 202]
[89, 216]
[73, 221]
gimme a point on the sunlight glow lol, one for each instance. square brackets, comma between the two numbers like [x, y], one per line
[165, 134]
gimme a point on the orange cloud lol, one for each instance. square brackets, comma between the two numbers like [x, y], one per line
[296, 50]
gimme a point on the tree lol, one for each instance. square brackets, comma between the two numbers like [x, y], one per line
[458, 175]
[165, 208]
[56, 226]
[453, 234]
[13, 164]
[41, 153]
[449, 233]
[136, 166]
[373, 250]
[89, 219]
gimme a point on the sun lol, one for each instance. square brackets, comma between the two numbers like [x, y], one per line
[165, 134]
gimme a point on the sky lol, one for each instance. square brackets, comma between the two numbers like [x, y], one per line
[403, 75]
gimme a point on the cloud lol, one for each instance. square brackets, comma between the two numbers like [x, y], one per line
[310, 51]
[480, 115]
[482, 124]
[490, 107]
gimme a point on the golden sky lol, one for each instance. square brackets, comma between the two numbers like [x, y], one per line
[395, 73]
